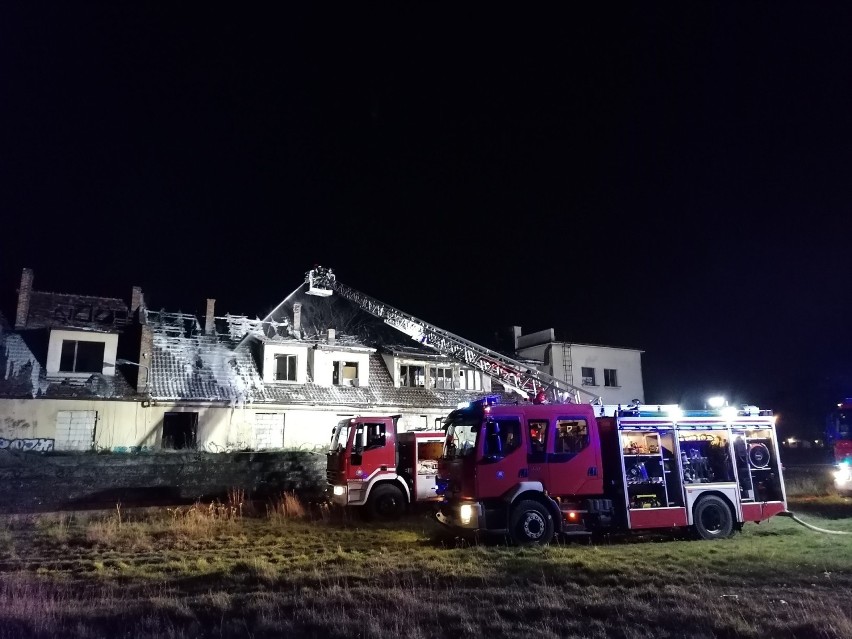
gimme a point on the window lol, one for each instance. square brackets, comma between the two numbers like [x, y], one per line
[610, 377]
[572, 435]
[441, 377]
[588, 376]
[470, 379]
[538, 435]
[285, 368]
[345, 374]
[369, 436]
[179, 430]
[413, 376]
[81, 357]
[502, 436]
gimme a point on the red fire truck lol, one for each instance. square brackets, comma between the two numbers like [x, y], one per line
[370, 464]
[839, 436]
[535, 470]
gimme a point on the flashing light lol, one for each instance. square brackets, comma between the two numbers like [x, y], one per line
[466, 513]
[675, 413]
[791, 440]
[572, 516]
[339, 490]
[716, 401]
[843, 474]
[729, 412]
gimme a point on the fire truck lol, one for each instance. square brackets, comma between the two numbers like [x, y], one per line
[839, 436]
[626, 468]
[372, 465]
[532, 471]
[400, 468]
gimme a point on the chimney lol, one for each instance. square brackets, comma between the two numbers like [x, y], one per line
[331, 336]
[24, 293]
[297, 317]
[210, 320]
[146, 357]
[135, 299]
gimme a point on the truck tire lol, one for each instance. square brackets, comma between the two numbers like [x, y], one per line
[386, 503]
[530, 523]
[713, 519]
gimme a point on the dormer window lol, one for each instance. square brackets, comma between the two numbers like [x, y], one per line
[81, 357]
[413, 376]
[285, 368]
[345, 374]
[441, 377]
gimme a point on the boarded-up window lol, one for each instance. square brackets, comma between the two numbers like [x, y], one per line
[268, 431]
[75, 429]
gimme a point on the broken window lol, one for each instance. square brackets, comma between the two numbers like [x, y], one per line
[285, 368]
[345, 374]
[588, 374]
[441, 377]
[470, 379]
[81, 357]
[412, 376]
[180, 430]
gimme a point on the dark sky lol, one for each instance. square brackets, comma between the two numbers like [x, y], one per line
[669, 177]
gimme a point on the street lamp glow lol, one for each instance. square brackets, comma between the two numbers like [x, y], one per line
[716, 402]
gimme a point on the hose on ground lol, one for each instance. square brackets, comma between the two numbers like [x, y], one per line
[792, 516]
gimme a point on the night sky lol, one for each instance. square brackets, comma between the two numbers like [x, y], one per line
[668, 177]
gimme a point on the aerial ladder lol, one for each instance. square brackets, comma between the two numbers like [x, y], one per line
[528, 382]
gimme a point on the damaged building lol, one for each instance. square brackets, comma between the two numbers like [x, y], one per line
[81, 372]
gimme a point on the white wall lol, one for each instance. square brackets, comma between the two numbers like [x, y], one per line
[269, 353]
[627, 362]
[323, 365]
[122, 426]
[54, 350]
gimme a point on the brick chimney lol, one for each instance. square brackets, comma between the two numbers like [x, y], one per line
[209, 319]
[135, 299]
[297, 317]
[24, 293]
[146, 359]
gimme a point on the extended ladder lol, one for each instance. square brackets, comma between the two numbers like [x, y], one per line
[526, 381]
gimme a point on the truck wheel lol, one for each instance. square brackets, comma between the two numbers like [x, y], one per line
[530, 523]
[713, 518]
[386, 503]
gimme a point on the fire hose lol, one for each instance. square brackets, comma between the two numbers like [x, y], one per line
[792, 516]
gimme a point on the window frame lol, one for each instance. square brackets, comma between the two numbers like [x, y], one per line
[75, 355]
[295, 365]
[585, 377]
[611, 375]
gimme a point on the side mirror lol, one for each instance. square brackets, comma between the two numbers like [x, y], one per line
[356, 459]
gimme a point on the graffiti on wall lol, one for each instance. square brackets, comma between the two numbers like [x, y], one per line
[39, 445]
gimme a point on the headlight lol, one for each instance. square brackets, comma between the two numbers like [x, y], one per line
[466, 512]
[843, 475]
[339, 490]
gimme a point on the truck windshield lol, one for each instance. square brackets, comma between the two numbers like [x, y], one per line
[461, 438]
[339, 437]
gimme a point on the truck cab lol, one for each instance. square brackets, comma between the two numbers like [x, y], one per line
[839, 436]
[372, 466]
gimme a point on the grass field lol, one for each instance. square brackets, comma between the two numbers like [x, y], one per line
[222, 571]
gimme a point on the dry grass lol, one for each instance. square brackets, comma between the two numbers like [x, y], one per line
[203, 572]
[287, 507]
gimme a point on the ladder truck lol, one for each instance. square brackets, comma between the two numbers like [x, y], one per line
[555, 465]
[369, 463]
